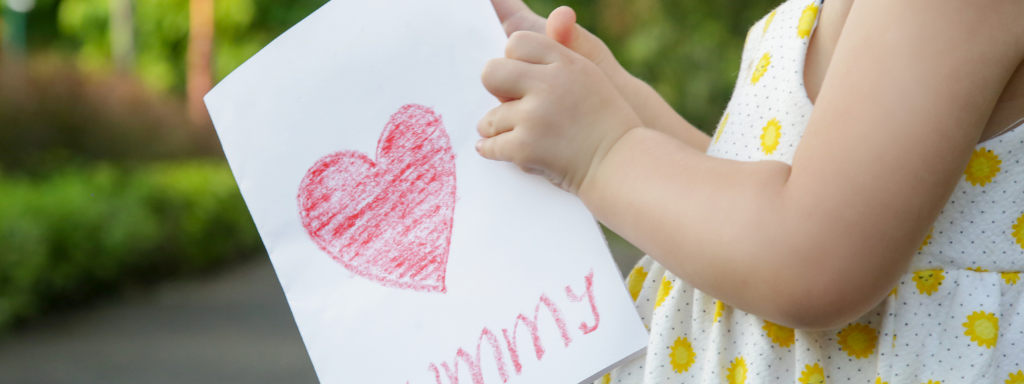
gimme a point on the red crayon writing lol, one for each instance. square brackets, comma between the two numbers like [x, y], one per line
[473, 362]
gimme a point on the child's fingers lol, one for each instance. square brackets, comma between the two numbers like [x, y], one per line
[498, 120]
[501, 147]
[506, 9]
[506, 78]
[532, 47]
[561, 24]
[517, 16]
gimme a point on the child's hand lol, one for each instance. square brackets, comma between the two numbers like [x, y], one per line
[560, 115]
[561, 26]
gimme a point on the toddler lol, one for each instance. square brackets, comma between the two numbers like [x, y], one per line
[857, 216]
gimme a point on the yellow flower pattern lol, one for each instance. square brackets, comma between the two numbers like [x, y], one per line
[983, 167]
[812, 374]
[762, 67]
[927, 240]
[1016, 378]
[721, 127]
[983, 328]
[1018, 231]
[858, 340]
[737, 372]
[783, 336]
[635, 281]
[928, 282]
[681, 356]
[1010, 278]
[663, 291]
[768, 21]
[771, 133]
[807, 18]
[919, 306]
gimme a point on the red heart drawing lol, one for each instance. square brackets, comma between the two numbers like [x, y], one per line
[389, 221]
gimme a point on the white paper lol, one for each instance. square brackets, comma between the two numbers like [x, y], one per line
[330, 85]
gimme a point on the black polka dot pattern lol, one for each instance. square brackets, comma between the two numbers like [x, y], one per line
[955, 317]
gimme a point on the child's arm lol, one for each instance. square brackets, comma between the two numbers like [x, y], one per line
[653, 110]
[812, 245]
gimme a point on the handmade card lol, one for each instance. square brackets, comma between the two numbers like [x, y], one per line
[404, 255]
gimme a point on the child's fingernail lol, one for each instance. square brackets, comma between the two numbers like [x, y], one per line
[479, 144]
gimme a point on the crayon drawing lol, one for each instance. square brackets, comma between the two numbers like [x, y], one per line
[389, 221]
[345, 135]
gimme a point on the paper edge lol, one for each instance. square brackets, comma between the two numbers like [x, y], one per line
[212, 94]
[612, 367]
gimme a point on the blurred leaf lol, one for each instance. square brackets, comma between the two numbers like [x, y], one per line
[156, 69]
[231, 54]
[233, 17]
[86, 19]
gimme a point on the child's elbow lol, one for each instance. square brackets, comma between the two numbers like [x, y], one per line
[826, 315]
[827, 281]
[832, 300]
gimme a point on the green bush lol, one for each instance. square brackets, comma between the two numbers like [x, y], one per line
[86, 231]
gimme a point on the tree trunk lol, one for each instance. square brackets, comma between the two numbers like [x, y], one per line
[200, 58]
[122, 34]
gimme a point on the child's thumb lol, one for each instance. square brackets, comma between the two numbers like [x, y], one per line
[561, 25]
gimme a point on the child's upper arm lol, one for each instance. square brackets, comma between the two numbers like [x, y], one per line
[904, 101]
[906, 96]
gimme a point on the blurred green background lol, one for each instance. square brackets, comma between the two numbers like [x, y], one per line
[108, 181]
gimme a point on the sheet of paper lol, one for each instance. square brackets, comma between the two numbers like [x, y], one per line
[404, 255]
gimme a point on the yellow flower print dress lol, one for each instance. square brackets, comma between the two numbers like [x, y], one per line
[954, 317]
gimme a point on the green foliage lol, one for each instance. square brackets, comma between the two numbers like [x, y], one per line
[86, 231]
[161, 35]
[87, 20]
[79, 215]
[688, 50]
[161, 42]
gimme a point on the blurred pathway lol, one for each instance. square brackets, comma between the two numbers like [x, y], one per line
[233, 327]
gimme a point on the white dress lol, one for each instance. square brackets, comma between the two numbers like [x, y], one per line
[954, 317]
